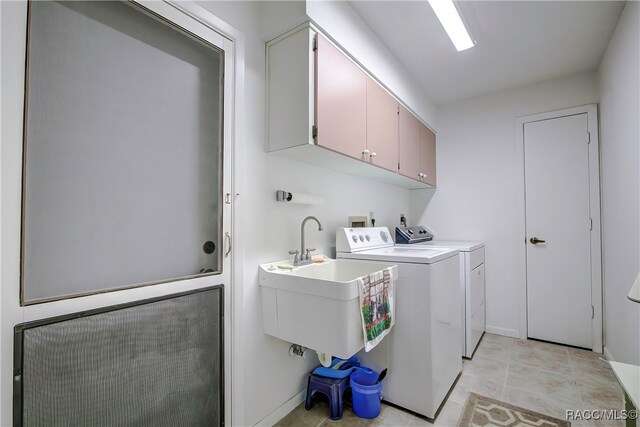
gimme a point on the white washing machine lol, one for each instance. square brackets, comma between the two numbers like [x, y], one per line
[472, 281]
[422, 351]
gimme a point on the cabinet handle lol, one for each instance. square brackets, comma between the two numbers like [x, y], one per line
[365, 152]
[373, 154]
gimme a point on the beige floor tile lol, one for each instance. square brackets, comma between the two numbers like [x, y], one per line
[303, 418]
[485, 368]
[449, 415]
[468, 383]
[542, 382]
[543, 347]
[598, 378]
[391, 416]
[606, 395]
[499, 339]
[543, 358]
[494, 349]
[583, 354]
[591, 366]
[350, 419]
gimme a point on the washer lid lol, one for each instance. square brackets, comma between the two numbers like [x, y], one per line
[416, 254]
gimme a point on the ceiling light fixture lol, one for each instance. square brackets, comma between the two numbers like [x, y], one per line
[452, 22]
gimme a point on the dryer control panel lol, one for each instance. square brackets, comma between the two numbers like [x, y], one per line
[407, 235]
[362, 238]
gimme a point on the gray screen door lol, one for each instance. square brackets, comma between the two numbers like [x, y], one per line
[122, 151]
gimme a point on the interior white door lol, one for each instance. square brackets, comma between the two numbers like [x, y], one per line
[559, 306]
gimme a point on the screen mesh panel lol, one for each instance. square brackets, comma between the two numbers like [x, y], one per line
[122, 151]
[155, 364]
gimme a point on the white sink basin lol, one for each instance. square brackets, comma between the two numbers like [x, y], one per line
[332, 279]
[316, 305]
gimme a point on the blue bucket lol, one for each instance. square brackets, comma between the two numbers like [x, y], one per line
[366, 394]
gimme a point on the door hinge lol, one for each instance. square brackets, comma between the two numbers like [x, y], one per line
[588, 137]
[314, 132]
[593, 312]
[590, 223]
[315, 43]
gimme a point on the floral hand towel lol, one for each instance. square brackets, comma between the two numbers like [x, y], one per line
[376, 306]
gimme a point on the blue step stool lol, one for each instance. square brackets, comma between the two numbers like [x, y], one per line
[333, 388]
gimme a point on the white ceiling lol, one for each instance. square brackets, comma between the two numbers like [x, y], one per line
[518, 42]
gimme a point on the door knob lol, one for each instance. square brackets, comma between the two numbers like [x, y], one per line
[535, 240]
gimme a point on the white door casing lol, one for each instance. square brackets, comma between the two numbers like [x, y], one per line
[561, 300]
[195, 20]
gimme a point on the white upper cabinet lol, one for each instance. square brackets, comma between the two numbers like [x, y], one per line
[324, 109]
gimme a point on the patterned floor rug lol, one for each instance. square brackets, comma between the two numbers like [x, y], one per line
[482, 411]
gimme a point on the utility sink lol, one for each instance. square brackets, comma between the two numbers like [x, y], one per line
[316, 305]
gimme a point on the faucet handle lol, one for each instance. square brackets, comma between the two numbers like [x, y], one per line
[307, 255]
[296, 253]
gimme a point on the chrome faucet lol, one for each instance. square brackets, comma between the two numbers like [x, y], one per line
[305, 253]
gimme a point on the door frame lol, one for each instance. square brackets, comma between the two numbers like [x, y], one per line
[594, 207]
[235, 123]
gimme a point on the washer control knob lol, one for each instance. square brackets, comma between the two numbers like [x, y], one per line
[410, 232]
[366, 236]
[384, 236]
[361, 238]
[355, 238]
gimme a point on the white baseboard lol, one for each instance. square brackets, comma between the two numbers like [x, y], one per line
[608, 355]
[514, 333]
[283, 410]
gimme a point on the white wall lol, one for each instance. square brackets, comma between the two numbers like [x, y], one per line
[620, 147]
[479, 195]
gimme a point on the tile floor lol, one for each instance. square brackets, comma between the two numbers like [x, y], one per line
[543, 377]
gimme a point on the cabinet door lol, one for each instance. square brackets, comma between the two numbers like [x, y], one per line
[341, 101]
[382, 127]
[409, 144]
[428, 155]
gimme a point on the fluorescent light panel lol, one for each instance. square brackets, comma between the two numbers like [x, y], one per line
[450, 19]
